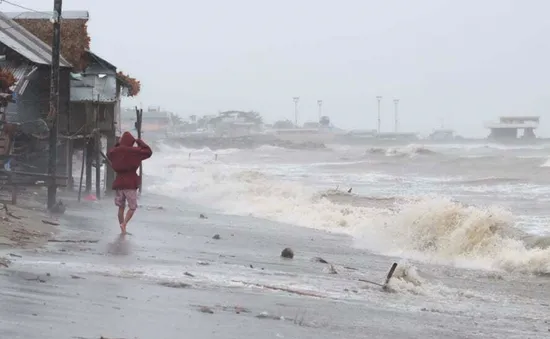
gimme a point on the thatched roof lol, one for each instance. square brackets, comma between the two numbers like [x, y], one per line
[7, 79]
[75, 44]
[133, 85]
[74, 37]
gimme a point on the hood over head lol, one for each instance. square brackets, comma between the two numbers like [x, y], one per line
[127, 139]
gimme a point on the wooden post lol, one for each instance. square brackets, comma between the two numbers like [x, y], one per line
[69, 164]
[109, 172]
[54, 103]
[139, 115]
[97, 153]
[84, 150]
[89, 157]
[13, 189]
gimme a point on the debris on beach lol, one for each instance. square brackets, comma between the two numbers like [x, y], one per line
[332, 270]
[175, 284]
[4, 262]
[53, 223]
[206, 309]
[282, 289]
[8, 213]
[58, 208]
[84, 241]
[385, 285]
[266, 315]
[216, 237]
[202, 216]
[287, 253]
[219, 307]
[189, 274]
[319, 259]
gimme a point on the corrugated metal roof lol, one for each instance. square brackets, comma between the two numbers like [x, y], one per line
[26, 44]
[104, 63]
[90, 86]
[47, 15]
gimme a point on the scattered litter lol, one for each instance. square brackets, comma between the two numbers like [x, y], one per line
[74, 241]
[287, 253]
[174, 284]
[388, 277]
[205, 309]
[283, 289]
[5, 262]
[321, 260]
[50, 222]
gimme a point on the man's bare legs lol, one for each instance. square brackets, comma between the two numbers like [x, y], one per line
[123, 195]
[121, 219]
[129, 216]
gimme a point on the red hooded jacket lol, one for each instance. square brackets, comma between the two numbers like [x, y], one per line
[126, 159]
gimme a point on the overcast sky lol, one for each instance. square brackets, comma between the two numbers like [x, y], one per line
[462, 62]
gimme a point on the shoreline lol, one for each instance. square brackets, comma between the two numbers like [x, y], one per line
[26, 225]
[177, 277]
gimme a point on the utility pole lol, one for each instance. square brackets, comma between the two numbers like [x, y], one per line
[54, 103]
[379, 98]
[296, 99]
[320, 103]
[396, 102]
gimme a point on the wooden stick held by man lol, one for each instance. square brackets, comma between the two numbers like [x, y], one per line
[125, 159]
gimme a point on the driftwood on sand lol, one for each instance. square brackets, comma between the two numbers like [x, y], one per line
[388, 278]
[47, 222]
[75, 241]
[283, 289]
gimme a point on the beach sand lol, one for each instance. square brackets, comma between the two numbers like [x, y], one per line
[172, 279]
[26, 225]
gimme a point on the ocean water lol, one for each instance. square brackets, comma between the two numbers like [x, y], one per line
[467, 225]
[475, 206]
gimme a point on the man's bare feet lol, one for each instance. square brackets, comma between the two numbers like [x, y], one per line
[123, 228]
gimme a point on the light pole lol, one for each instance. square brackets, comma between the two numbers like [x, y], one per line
[296, 99]
[396, 103]
[320, 103]
[379, 97]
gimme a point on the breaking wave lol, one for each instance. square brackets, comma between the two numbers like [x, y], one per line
[406, 151]
[486, 181]
[436, 229]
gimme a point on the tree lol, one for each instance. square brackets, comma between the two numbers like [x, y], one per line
[176, 119]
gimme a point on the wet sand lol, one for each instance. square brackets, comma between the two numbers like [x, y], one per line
[26, 225]
[154, 283]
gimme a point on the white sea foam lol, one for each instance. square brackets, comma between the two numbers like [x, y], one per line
[429, 228]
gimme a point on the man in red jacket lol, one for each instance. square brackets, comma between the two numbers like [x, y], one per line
[125, 160]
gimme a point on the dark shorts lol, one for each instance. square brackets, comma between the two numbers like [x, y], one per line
[123, 196]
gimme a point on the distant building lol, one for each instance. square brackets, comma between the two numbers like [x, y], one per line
[442, 135]
[507, 128]
[236, 123]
